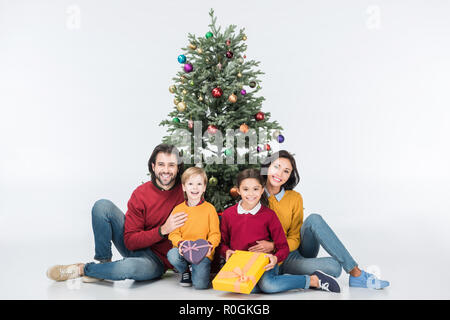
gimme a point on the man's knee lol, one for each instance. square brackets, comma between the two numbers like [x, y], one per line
[101, 207]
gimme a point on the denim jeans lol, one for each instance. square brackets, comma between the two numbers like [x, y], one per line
[108, 225]
[200, 272]
[314, 233]
[272, 281]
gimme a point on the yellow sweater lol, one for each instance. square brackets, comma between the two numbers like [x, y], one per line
[202, 223]
[290, 212]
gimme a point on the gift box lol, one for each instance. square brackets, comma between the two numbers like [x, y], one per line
[241, 272]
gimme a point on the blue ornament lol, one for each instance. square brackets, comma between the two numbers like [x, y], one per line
[280, 138]
[181, 58]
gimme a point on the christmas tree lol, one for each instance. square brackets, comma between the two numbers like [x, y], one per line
[216, 91]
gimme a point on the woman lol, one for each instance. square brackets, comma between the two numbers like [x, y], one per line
[305, 238]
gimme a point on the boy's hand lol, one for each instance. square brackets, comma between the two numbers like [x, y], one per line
[228, 254]
[272, 261]
[173, 222]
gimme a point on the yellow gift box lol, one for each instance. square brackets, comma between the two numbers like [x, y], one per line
[241, 272]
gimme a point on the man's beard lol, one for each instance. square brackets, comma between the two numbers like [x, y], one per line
[161, 181]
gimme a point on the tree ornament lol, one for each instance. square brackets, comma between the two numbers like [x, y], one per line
[217, 92]
[200, 98]
[244, 37]
[181, 58]
[184, 92]
[234, 192]
[208, 35]
[190, 124]
[280, 138]
[175, 101]
[192, 46]
[191, 82]
[239, 75]
[172, 89]
[259, 116]
[219, 66]
[182, 78]
[245, 57]
[258, 149]
[213, 181]
[181, 106]
[267, 147]
[228, 42]
[252, 84]
[229, 54]
[176, 120]
[228, 152]
[232, 98]
[241, 61]
[212, 129]
[276, 133]
[199, 51]
[188, 67]
[243, 92]
[243, 128]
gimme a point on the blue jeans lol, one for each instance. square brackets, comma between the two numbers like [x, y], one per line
[108, 225]
[314, 233]
[272, 281]
[200, 272]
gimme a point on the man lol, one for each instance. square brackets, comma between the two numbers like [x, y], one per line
[140, 235]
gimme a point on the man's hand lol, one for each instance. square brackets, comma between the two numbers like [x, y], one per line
[173, 222]
[262, 246]
[272, 262]
[228, 254]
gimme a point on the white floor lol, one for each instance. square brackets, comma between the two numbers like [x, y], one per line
[413, 262]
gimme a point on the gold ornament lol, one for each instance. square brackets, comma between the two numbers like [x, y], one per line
[200, 98]
[175, 101]
[244, 37]
[184, 92]
[239, 75]
[172, 89]
[199, 51]
[182, 78]
[192, 46]
[181, 106]
[232, 98]
[276, 133]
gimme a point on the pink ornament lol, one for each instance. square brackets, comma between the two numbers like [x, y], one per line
[188, 67]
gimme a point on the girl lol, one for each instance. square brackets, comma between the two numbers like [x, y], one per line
[249, 221]
[305, 238]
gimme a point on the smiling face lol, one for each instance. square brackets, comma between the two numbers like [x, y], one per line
[250, 190]
[279, 172]
[194, 187]
[166, 169]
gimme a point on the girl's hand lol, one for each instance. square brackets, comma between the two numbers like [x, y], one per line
[262, 246]
[228, 254]
[272, 262]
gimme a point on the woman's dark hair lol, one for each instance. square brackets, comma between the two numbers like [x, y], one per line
[166, 148]
[253, 174]
[294, 178]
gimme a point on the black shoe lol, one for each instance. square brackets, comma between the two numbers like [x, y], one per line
[327, 282]
[186, 280]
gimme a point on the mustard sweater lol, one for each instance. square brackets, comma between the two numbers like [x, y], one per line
[290, 212]
[202, 223]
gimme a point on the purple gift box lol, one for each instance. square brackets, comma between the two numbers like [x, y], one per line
[194, 251]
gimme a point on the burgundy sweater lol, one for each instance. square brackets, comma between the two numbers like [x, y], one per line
[240, 231]
[148, 209]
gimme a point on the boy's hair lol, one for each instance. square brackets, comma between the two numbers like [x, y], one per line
[192, 171]
[253, 174]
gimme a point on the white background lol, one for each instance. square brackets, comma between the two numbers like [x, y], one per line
[360, 87]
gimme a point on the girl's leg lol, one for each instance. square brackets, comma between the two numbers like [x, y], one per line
[315, 232]
[200, 274]
[272, 282]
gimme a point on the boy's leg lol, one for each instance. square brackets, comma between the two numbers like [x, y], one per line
[200, 274]
[314, 233]
[176, 260]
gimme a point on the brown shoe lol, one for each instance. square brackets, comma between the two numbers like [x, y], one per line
[64, 272]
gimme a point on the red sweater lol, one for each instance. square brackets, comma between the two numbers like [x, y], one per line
[241, 231]
[148, 209]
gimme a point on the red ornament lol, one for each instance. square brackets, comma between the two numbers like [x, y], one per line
[267, 146]
[190, 124]
[217, 92]
[229, 54]
[228, 42]
[259, 116]
[212, 129]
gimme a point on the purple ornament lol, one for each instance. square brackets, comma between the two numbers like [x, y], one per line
[188, 67]
[280, 138]
[258, 149]
[243, 92]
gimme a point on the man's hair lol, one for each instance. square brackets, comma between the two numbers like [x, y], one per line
[193, 171]
[165, 148]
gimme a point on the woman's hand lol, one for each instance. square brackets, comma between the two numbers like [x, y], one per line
[173, 222]
[228, 254]
[263, 246]
[272, 262]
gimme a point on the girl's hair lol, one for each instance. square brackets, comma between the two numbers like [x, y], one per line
[294, 178]
[253, 174]
[192, 171]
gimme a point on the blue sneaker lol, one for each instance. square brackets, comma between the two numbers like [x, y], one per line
[367, 280]
[327, 282]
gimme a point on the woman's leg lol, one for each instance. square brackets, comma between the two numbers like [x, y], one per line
[200, 274]
[314, 233]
